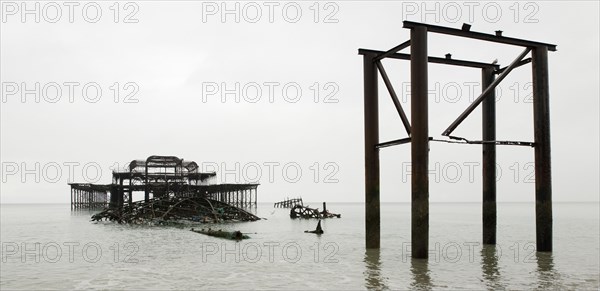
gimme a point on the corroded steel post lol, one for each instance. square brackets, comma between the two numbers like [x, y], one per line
[543, 177]
[371, 123]
[489, 159]
[419, 143]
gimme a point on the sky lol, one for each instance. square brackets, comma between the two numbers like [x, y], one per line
[271, 92]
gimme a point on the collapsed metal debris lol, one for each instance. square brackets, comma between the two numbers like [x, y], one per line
[175, 209]
[300, 211]
[288, 203]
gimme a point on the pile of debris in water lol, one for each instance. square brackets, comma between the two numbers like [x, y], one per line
[175, 209]
[300, 211]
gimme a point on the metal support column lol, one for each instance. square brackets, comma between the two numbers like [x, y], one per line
[543, 177]
[488, 125]
[419, 143]
[371, 119]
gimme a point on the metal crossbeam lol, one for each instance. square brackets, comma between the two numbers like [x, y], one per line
[393, 143]
[461, 140]
[433, 60]
[478, 35]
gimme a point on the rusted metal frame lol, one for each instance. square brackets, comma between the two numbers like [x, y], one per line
[392, 51]
[485, 93]
[394, 97]
[478, 35]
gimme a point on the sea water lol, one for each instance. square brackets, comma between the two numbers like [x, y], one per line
[51, 247]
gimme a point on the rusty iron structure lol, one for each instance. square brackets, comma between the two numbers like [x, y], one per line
[418, 131]
[300, 211]
[89, 196]
[288, 203]
[160, 176]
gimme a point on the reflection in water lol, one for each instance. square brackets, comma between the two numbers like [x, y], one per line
[373, 279]
[420, 273]
[489, 266]
[548, 277]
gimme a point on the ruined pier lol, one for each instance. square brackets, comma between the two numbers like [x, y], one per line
[160, 176]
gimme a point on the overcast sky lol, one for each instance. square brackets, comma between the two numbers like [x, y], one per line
[272, 92]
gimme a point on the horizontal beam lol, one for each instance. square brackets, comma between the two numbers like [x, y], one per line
[504, 142]
[461, 140]
[393, 50]
[393, 143]
[396, 142]
[457, 141]
[433, 60]
[478, 35]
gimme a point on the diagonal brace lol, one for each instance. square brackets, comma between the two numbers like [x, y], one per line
[521, 63]
[392, 51]
[485, 93]
[390, 88]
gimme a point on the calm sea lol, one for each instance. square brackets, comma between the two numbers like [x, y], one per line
[50, 247]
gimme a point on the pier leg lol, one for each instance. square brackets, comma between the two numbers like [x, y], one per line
[114, 203]
[543, 177]
[489, 159]
[371, 115]
[130, 192]
[121, 193]
[146, 187]
[419, 143]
